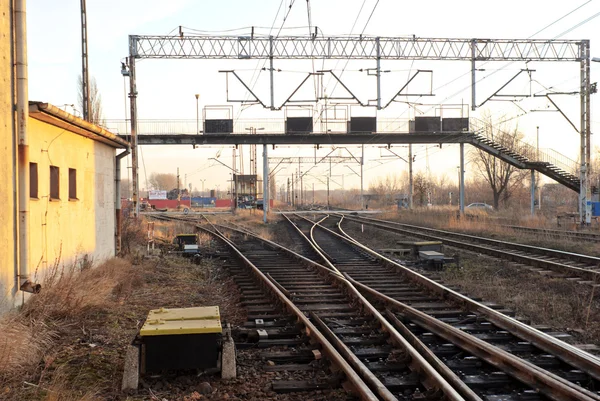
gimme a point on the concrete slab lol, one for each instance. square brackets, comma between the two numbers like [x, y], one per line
[228, 362]
[131, 372]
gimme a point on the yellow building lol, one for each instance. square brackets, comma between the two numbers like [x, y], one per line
[73, 196]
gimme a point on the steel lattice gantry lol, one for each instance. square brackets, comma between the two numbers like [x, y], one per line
[242, 47]
[364, 47]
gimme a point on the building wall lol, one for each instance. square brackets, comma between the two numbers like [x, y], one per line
[64, 231]
[7, 187]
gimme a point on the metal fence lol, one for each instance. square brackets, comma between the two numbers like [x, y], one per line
[245, 126]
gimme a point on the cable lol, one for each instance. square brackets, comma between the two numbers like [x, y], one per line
[368, 20]
[585, 21]
[561, 18]
[348, 59]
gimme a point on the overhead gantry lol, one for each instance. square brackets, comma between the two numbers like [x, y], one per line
[246, 47]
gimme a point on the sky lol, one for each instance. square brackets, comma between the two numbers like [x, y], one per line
[167, 87]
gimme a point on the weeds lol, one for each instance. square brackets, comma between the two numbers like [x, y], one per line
[133, 233]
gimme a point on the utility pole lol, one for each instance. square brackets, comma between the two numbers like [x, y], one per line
[197, 95]
[327, 192]
[265, 183]
[135, 183]
[537, 181]
[235, 200]
[362, 164]
[585, 189]
[410, 176]
[461, 191]
[178, 191]
[85, 82]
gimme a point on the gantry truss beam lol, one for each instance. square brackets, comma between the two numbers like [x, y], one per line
[296, 160]
[356, 47]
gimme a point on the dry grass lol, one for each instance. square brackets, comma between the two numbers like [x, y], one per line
[68, 342]
[252, 220]
[70, 296]
[70, 292]
[492, 224]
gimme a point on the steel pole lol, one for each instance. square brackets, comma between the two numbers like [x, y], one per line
[362, 167]
[378, 73]
[473, 81]
[537, 181]
[587, 122]
[582, 146]
[462, 179]
[197, 115]
[85, 81]
[271, 72]
[134, 147]
[410, 177]
[532, 193]
[265, 183]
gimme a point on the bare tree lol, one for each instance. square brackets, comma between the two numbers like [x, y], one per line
[163, 181]
[421, 187]
[95, 100]
[501, 176]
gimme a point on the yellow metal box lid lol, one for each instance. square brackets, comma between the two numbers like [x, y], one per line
[202, 312]
[160, 327]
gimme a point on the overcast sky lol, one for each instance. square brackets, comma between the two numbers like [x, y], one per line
[167, 87]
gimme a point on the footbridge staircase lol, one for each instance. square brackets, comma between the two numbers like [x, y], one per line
[525, 156]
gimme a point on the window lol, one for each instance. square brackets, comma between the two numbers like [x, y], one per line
[54, 182]
[33, 180]
[72, 184]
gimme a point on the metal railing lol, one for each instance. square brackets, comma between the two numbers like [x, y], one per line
[525, 149]
[246, 126]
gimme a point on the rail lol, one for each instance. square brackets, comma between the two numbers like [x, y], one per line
[311, 330]
[562, 350]
[551, 385]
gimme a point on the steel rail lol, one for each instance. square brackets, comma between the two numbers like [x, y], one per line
[564, 351]
[531, 260]
[573, 235]
[551, 385]
[593, 260]
[358, 384]
[434, 380]
[548, 383]
[429, 356]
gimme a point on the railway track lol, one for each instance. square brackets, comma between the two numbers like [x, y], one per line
[377, 361]
[422, 339]
[583, 269]
[561, 234]
[367, 268]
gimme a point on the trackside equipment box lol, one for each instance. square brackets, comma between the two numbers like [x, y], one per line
[182, 338]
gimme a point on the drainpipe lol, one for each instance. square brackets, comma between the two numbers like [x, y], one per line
[23, 169]
[118, 199]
